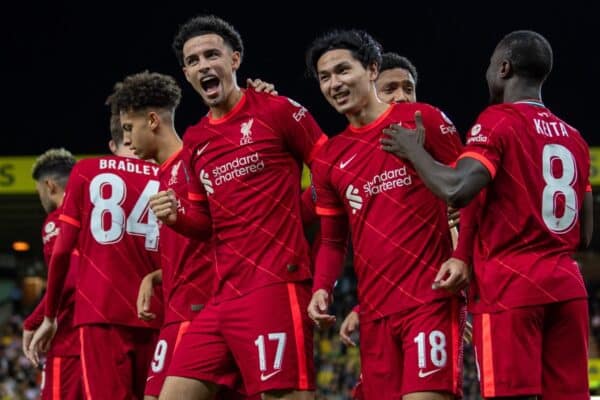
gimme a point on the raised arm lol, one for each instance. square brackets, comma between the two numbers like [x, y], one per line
[457, 186]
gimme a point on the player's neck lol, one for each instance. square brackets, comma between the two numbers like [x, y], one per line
[523, 92]
[169, 146]
[219, 111]
[367, 114]
[58, 199]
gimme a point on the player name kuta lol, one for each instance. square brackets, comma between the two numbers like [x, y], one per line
[550, 129]
[128, 166]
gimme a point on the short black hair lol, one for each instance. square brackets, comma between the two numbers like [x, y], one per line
[202, 25]
[392, 60]
[362, 45]
[55, 163]
[529, 53]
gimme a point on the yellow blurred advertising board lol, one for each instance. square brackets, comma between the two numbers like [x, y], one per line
[15, 173]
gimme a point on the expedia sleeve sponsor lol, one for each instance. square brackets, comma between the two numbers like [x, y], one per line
[50, 231]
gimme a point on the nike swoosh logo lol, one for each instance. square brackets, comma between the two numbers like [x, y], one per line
[426, 374]
[343, 164]
[150, 377]
[264, 377]
[201, 150]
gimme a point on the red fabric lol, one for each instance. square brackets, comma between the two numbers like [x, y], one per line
[168, 341]
[195, 223]
[538, 362]
[62, 378]
[59, 267]
[66, 340]
[309, 215]
[529, 226]
[404, 353]
[163, 353]
[469, 216]
[187, 264]
[115, 359]
[50, 231]
[248, 166]
[331, 253]
[226, 339]
[105, 214]
[399, 229]
[35, 319]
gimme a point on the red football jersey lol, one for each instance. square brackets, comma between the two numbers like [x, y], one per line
[399, 228]
[107, 199]
[529, 224]
[248, 166]
[187, 264]
[66, 339]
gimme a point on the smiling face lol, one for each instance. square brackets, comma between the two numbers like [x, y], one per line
[396, 85]
[343, 80]
[210, 66]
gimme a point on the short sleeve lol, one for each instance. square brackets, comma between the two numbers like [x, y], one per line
[441, 136]
[485, 140]
[301, 132]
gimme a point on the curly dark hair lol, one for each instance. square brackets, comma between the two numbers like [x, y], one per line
[362, 45]
[202, 25]
[392, 60]
[144, 90]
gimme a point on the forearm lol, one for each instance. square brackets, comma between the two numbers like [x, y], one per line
[194, 223]
[332, 252]
[441, 179]
[57, 275]
[456, 185]
[34, 320]
[469, 217]
[59, 267]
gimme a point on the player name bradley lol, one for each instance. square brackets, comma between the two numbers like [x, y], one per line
[125, 165]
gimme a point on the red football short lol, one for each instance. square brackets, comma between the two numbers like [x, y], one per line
[62, 379]
[168, 340]
[265, 335]
[418, 350]
[115, 360]
[537, 350]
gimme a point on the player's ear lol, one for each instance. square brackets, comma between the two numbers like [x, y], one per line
[112, 146]
[153, 120]
[51, 185]
[185, 72]
[236, 60]
[373, 70]
[506, 69]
